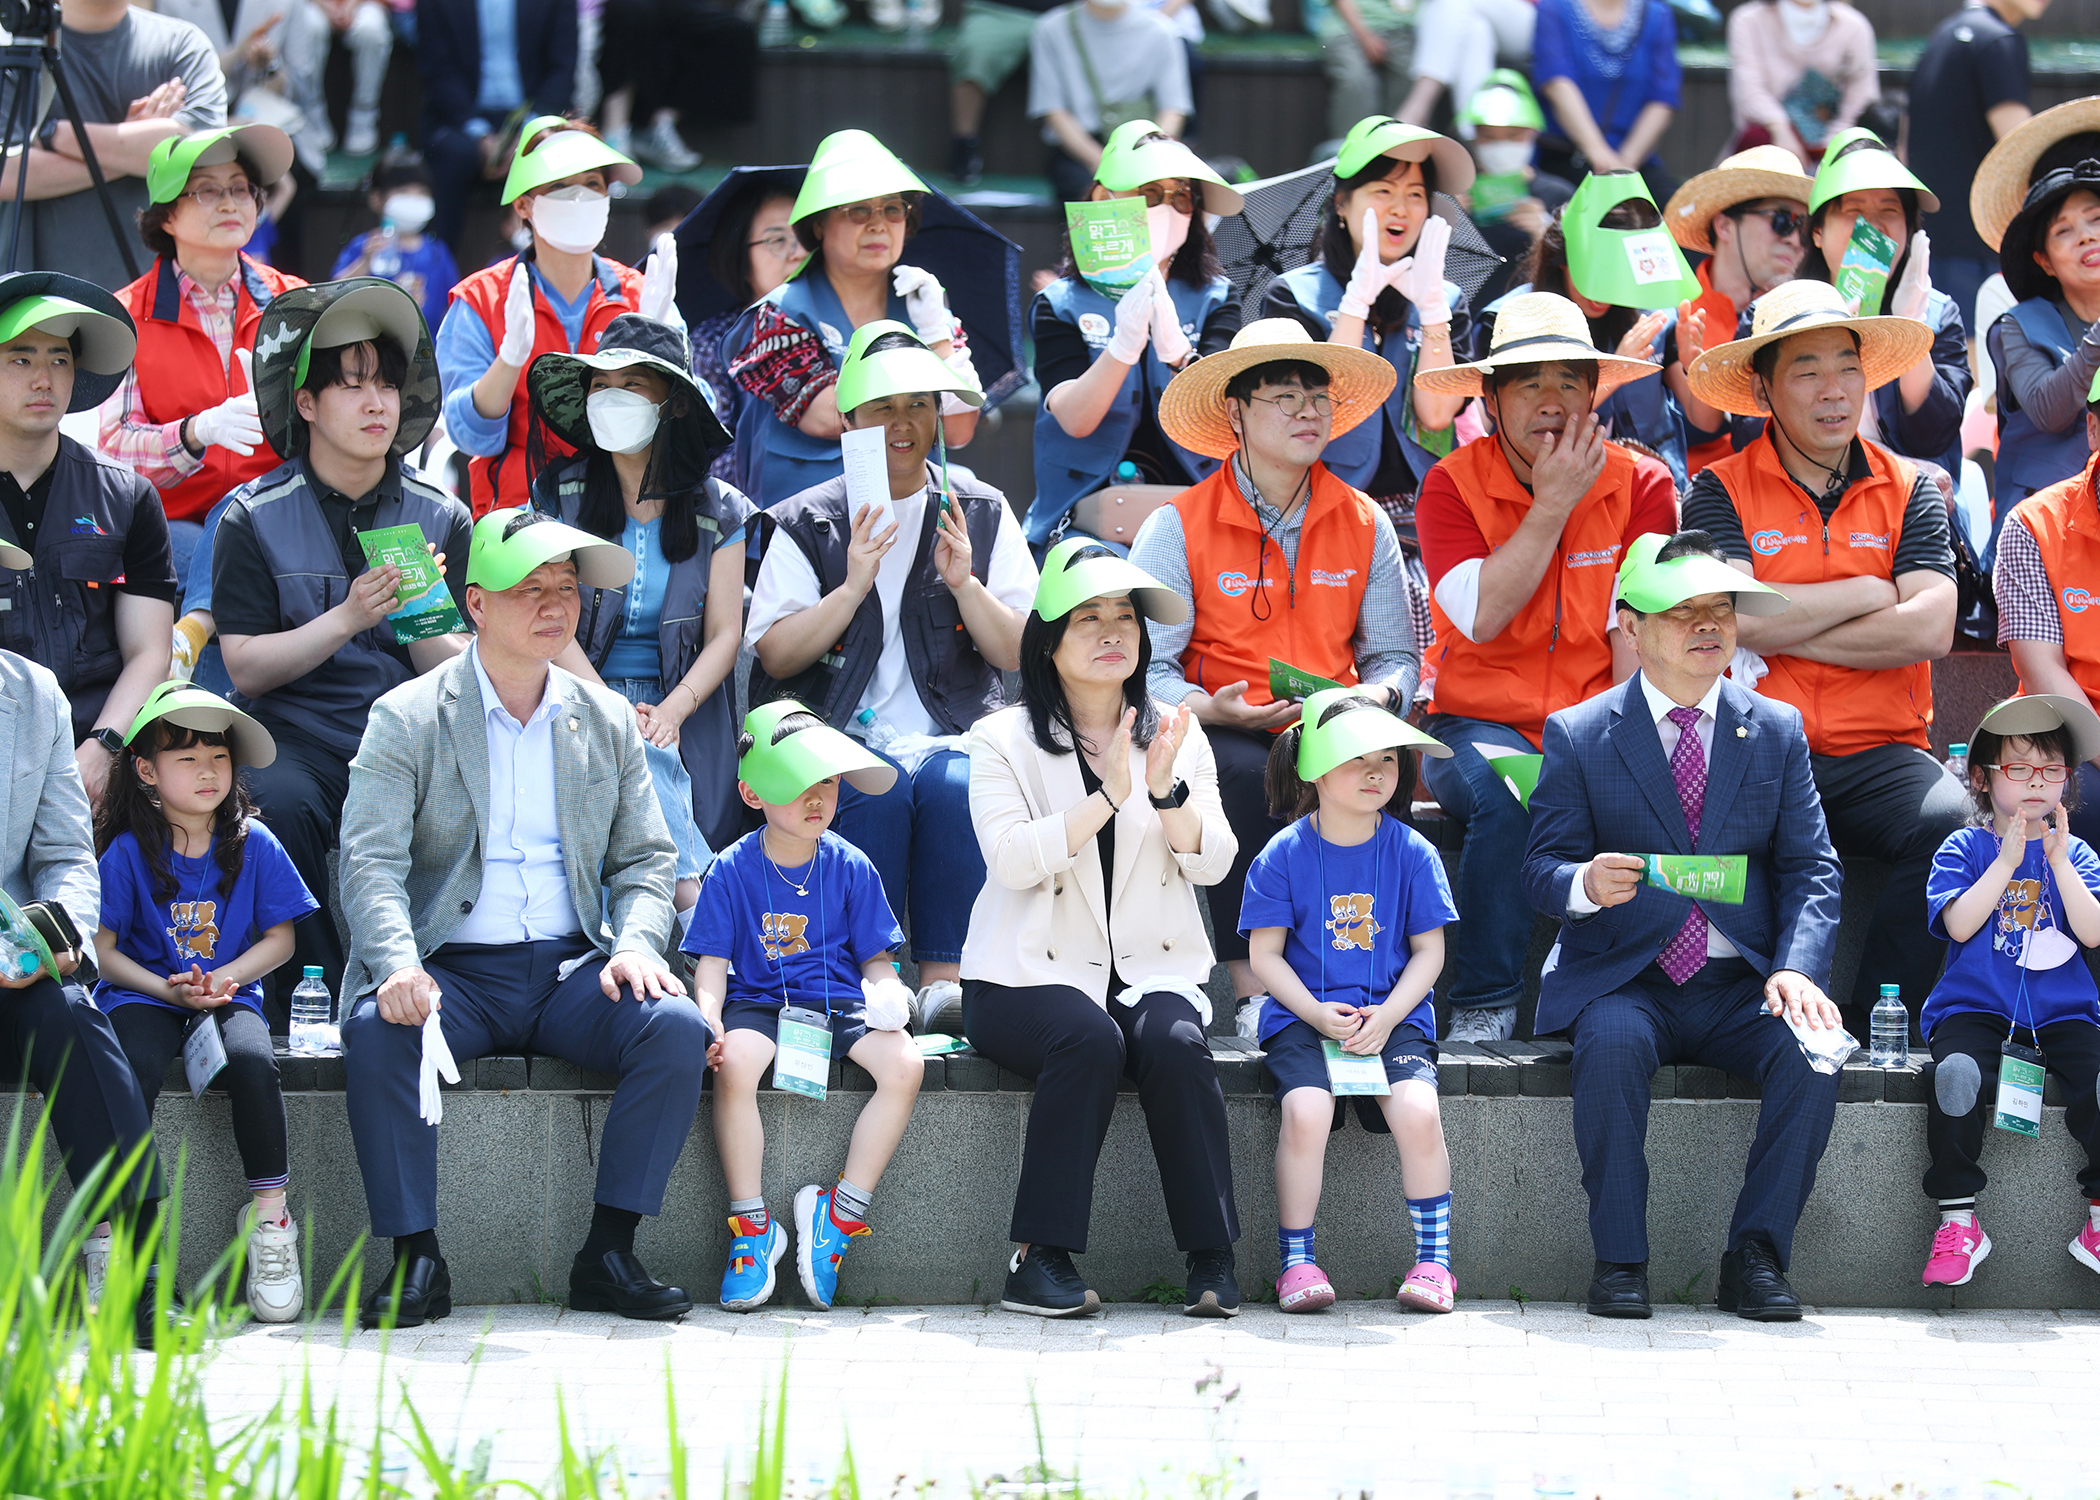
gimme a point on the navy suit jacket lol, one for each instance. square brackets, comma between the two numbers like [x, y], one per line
[1606, 787]
[448, 45]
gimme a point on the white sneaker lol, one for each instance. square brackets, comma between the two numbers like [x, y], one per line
[94, 1263]
[888, 15]
[938, 1007]
[1248, 1020]
[1483, 1025]
[662, 146]
[362, 136]
[276, 1293]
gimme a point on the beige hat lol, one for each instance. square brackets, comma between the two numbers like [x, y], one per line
[1192, 408]
[2001, 183]
[1887, 346]
[1760, 172]
[1533, 328]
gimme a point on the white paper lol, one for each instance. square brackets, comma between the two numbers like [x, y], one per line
[203, 1055]
[867, 475]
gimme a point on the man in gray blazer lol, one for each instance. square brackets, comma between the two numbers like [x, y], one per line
[497, 806]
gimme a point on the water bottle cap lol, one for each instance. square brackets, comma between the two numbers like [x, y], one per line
[1891, 991]
[1958, 749]
[865, 716]
[313, 971]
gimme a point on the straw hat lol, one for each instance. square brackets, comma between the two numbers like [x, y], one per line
[1760, 172]
[2036, 713]
[2001, 183]
[1533, 328]
[1887, 346]
[1192, 408]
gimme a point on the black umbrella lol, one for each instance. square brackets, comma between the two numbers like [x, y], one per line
[700, 295]
[1279, 231]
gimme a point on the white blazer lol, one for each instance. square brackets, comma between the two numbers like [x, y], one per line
[1042, 917]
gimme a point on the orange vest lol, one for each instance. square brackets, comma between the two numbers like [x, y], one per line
[1845, 709]
[2065, 524]
[1556, 651]
[1721, 317]
[1307, 615]
[502, 480]
[180, 373]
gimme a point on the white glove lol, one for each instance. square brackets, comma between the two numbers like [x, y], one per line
[1420, 277]
[437, 1059]
[924, 301]
[1371, 275]
[233, 423]
[660, 281]
[1133, 321]
[516, 348]
[888, 1003]
[960, 362]
[1168, 341]
[1914, 290]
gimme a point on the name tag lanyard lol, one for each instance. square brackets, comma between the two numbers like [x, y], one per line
[2020, 1069]
[1349, 1072]
[802, 1041]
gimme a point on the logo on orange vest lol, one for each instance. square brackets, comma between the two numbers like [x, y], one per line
[1877, 539]
[1768, 543]
[1321, 576]
[2077, 601]
[781, 934]
[1595, 557]
[1352, 923]
[1232, 583]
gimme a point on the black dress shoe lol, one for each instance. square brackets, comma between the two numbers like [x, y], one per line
[616, 1283]
[1619, 1289]
[425, 1295]
[142, 1314]
[1753, 1287]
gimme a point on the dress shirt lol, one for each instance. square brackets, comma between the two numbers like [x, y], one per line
[501, 89]
[524, 881]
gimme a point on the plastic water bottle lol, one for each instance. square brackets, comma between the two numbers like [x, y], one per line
[1126, 472]
[875, 734]
[1889, 1027]
[773, 30]
[313, 1017]
[386, 256]
[1958, 762]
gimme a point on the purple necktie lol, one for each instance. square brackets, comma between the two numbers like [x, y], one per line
[1685, 954]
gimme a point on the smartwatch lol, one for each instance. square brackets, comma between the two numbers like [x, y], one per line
[1176, 797]
[109, 739]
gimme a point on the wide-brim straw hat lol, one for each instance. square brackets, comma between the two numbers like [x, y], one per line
[1760, 172]
[1192, 408]
[2001, 183]
[1721, 376]
[1534, 328]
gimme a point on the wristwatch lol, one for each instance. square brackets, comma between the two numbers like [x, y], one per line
[109, 739]
[1176, 797]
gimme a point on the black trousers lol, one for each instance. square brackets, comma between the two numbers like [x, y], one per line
[1243, 764]
[300, 795]
[1964, 1095]
[1077, 1053]
[682, 55]
[55, 1036]
[152, 1038]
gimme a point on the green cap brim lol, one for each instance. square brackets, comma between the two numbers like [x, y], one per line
[509, 544]
[851, 166]
[1382, 135]
[2032, 713]
[1638, 268]
[365, 314]
[1875, 167]
[106, 344]
[266, 149]
[562, 152]
[1069, 580]
[1505, 100]
[781, 773]
[1127, 166]
[1358, 730]
[1652, 587]
[2092, 392]
[194, 708]
[865, 377]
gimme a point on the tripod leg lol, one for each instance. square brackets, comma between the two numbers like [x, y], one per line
[19, 130]
[87, 154]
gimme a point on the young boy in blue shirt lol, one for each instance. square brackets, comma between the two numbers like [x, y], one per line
[792, 915]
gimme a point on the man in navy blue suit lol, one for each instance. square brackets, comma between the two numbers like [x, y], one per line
[1678, 760]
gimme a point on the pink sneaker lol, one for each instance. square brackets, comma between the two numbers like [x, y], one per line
[1429, 1288]
[1957, 1250]
[2086, 1248]
[1304, 1289]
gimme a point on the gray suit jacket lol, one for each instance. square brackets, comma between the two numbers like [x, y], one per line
[47, 838]
[417, 815]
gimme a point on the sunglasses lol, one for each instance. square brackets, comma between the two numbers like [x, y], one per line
[1784, 221]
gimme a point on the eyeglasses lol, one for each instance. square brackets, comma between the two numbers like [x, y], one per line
[775, 242]
[2018, 772]
[210, 195]
[1784, 221]
[1175, 192]
[892, 210]
[1295, 403]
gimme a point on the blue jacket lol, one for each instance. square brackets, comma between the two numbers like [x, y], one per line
[1606, 786]
[448, 45]
[2030, 457]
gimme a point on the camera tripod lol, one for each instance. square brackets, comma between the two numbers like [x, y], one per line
[24, 65]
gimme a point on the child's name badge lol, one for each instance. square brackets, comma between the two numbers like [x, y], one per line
[802, 1059]
[203, 1054]
[1347, 1073]
[2019, 1090]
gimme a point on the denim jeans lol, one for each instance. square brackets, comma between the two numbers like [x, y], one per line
[921, 840]
[674, 786]
[1486, 968]
[194, 571]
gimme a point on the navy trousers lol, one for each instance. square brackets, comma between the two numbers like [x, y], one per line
[54, 1035]
[508, 999]
[1717, 1020]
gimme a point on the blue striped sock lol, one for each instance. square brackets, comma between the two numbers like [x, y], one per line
[1432, 1218]
[1295, 1246]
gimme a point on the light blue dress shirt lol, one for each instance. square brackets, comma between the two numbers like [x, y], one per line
[501, 89]
[524, 883]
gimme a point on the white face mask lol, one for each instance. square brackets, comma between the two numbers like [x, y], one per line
[408, 212]
[571, 219]
[1170, 230]
[622, 421]
[1805, 20]
[1502, 158]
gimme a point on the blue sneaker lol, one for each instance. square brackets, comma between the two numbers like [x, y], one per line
[747, 1281]
[820, 1244]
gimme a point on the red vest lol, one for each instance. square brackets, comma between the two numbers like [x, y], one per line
[1721, 317]
[2065, 525]
[1845, 709]
[1307, 615]
[502, 480]
[180, 374]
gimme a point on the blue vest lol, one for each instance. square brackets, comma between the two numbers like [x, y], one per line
[2030, 458]
[1353, 457]
[776, 461]
[1068, 468]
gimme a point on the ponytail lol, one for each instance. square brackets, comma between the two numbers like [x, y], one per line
[1289, 797]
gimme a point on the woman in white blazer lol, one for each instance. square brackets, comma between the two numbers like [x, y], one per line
[1086, 954]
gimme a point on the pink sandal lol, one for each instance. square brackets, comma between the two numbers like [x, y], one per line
[1429, 1288]
[1304, 1289]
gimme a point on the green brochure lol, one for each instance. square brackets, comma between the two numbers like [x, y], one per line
[426, 604]
[1288, 684]
[1111, 243]
[1520, 773]
[1493, 195]
[1703, 877]
[1863, 275]
[934, 1043]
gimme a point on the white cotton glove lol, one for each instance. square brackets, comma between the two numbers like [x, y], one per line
[1420, 277]
[660, 280]
[1914, 291]
[924, 301]
[1168, 341]
[888, 1003]
[1371, 275]
[960, 362]
[233, 423]
[437, 1060]
[516, 348]
[1134, 321]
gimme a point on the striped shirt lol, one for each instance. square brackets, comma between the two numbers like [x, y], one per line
[156, 449]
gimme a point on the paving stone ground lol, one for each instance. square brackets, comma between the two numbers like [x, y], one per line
[1361, 1398]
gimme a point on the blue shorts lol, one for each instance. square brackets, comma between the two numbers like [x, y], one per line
[1295, 1060]
[763, 1017]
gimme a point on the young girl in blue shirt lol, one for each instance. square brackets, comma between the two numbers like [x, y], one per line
[1344, 914]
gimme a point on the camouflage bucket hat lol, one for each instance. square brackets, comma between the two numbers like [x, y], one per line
[324, 316]
[560, 383]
